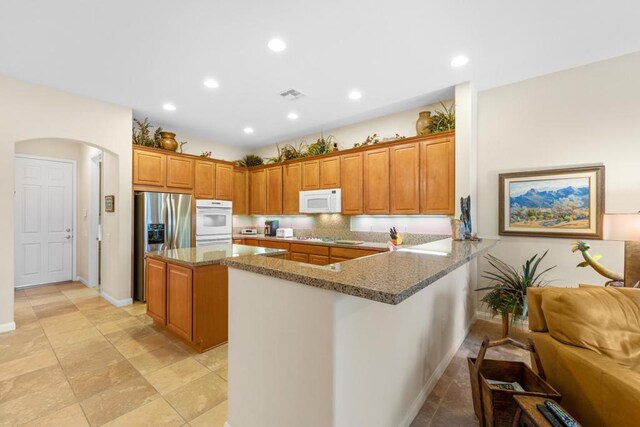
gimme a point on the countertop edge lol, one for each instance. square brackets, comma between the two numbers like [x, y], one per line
[188, 264]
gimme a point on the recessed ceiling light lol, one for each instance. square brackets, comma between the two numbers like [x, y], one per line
[459, 61]
[211, 84]
[169, 107]
[292, 116]
[248, 130]
[354, 95]
[277, 45]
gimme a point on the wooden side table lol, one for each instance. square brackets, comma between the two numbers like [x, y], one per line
[527, 414]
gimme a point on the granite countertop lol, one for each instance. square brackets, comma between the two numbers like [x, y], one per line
[389, 277]
[364, 245]
[211, 254]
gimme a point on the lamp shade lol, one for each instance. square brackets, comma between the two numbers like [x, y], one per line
[622, 227]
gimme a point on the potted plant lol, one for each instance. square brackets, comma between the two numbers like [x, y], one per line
[507, 294]
[250, 160]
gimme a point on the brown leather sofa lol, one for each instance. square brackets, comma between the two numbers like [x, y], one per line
[588, 340]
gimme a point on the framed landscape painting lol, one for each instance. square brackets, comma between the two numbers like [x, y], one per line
[565, 202]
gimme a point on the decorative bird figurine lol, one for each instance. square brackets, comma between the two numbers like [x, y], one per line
[593, 262]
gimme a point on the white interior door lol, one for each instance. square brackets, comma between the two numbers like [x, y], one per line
[44, 221]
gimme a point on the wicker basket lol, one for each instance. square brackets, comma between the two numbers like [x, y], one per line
[494, 406]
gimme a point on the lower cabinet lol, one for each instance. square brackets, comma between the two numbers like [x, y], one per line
[346, 254]
[180, 301]
[157, 290]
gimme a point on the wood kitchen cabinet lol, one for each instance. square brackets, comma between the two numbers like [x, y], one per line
[330, 172]
[240, 191]
[224, 181]
[149, 168]
[274, 190]
[311, 175]
[352, 185]
[299, 257]
[156, 284]
[338, 254]
[179, 172]
[404, 179]
[376, 181]
[204, 186]
[180, 301]
[258, 192]
[437, 176]
[291, 186]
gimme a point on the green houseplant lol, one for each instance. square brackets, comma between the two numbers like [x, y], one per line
[250, 160]
[443, 120]
[507, 294]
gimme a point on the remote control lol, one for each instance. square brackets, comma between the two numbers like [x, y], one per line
[549, 416]
[561, 414]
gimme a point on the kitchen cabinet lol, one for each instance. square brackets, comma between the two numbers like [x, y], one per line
[240, 191]
[404, 179]
[376, 181]
[180, 301]
[149, 168]
[291, 186]
[179, 172]
[311, 254]
[352, 186]
[318, 259]
[311, 175]
[258, 192]
[224, 181]
[156, 283]
[251, 242]
[349, 253]
[274, 190]
[204, 186]
[299, 257]
[437, 176]
[274, 245]
[330, 172]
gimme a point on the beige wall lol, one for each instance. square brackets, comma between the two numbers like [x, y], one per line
[197, 146]
[580, 116]
[29, 112]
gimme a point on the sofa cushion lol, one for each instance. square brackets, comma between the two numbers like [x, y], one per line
[604, 320]
[537, 322]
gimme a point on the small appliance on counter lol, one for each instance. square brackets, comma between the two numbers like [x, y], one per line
[284, 233]
[249, 232]
[270, 227]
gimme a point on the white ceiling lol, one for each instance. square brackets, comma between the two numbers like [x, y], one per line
[144, 53]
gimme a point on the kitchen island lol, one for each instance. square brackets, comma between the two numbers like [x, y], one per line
[356, 343]
[187, 290]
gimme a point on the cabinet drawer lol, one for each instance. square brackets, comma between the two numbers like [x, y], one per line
[274, 245]
[251, 242]
[238, 242]
[310, 249]
[298, 257]
[351, 253]
[318, 259]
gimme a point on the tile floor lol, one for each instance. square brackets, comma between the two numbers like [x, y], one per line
[76, 360]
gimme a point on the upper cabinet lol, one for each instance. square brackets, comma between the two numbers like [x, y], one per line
[437, 176]
[204, 180]
[149, 168]
[274, 190]
[330, 172]
[224, 181]
[404, 179]
[352, 188]
[258, 192]
[376, 181]
[311, 175]
[179, 172]
[240, 191]
[291, 185]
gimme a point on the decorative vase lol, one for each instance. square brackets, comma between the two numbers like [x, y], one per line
[422, 125]
[168, 141]
[457, 229]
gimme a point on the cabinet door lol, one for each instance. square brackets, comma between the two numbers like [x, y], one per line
[274, 190]
[258, 193]
[156, 283]
[404, 178]
[204, 180]
[240, 192]
[180, 301]
[252, 242]
[224, 181]
[311, 175]
[376, 181]
[274, 245]
[179, 172]
[149, 168]
[298, 257]
[291, 184]
[330, 172]
[437, 172]
[352, 190]
[318, 259]
[335, 259]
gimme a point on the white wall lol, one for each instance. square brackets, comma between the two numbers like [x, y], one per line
[589, 114]
[196, 146]
[28, 112]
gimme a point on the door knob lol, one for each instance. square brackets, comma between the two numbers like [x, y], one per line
[68, 230]
[67, 237]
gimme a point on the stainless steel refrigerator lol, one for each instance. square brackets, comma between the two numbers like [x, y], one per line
[162, 221]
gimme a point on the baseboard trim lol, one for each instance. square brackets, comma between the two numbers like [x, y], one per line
[435, 377]
[84, 281]
[115, 301]
[7, 327]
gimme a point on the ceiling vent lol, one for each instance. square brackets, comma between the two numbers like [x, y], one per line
[291, 95]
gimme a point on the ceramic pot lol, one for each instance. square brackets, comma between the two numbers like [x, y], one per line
[168, 141]
[457, 229]
[422, 125]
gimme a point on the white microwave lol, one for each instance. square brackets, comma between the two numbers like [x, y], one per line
[321, 201]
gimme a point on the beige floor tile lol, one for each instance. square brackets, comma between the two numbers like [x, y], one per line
[21, 336]
[214, 417]
[70, 416]
[149, 362]
[74, 336]
[199, 396]
[118, 325]
[145, 319]
[136, 308]
[223, 373]
[102, 378]
[19, 293]
[133, 348]
[215, 358]
[47, 299]
[26, 364]
[118, 400]
[76, 367]
[154, 414]
[169, 378]
[40, 290]
[70, 285]
[79, 294]
[30, 382]
[90, 302]
[82, 350]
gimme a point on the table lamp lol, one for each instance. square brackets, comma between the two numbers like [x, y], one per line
[626, 227]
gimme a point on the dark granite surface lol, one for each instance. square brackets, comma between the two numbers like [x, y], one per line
[211, 254]
[389, 277]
